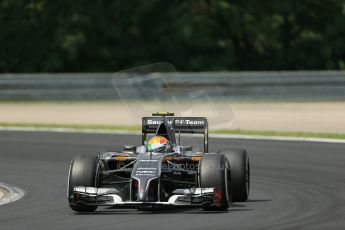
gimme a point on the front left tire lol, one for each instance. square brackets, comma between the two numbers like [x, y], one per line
[215, 172]
[240, 173]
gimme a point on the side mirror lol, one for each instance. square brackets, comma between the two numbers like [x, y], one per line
[141, 149]
[185, 148]
[129, 148]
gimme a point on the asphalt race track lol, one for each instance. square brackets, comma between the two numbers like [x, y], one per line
[295, 185]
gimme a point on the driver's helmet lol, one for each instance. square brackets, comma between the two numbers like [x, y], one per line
[158, 144]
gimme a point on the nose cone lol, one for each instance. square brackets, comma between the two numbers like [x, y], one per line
[146, 170]
[142, 196]
[143, 189]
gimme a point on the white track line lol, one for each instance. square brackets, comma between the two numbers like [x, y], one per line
[2, 194]
[10, 193]
[221, 136]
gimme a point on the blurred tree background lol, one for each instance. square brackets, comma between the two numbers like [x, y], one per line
[194, 35]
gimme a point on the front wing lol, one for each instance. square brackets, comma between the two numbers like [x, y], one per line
[195, 197]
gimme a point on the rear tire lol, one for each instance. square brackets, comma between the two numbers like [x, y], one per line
[83, 172]
[214, 172]
[240, 173]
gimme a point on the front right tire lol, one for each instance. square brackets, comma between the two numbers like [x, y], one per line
[83, 172]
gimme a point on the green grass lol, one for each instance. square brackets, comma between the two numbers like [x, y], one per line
[54, 102]
[117, 101]
[138, 129]
[72, 126]
[280, 133]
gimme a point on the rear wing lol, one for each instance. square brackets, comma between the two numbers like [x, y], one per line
[192, 125]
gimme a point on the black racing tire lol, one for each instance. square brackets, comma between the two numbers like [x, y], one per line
[240, 173]
[214, 172]
[83, 172]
